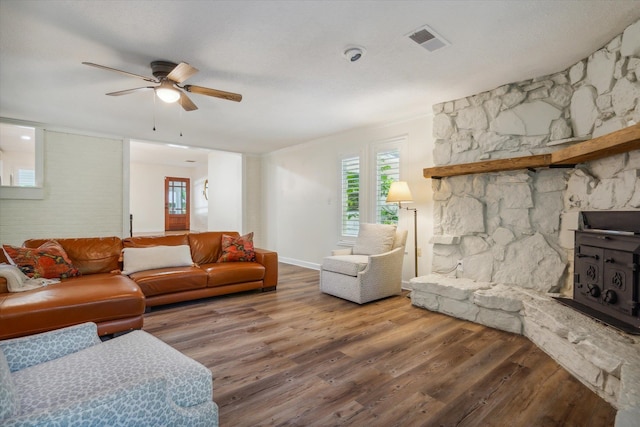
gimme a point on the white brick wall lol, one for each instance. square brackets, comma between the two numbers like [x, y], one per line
[83, 192]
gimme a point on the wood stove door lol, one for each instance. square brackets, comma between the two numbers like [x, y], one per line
[589, 270]
[618, 286]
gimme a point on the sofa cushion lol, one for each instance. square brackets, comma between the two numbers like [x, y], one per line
[49, 260]
[206, 247]
[95, 297]
[147, 241]
[374, 239]
[350, 265]
[107, 367]
[237, 248]
[9, 403]
[169, 280]
[140, 259]
[91, 255]
[228, 273]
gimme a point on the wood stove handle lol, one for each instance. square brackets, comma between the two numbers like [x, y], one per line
[594, 290]
[596, 257]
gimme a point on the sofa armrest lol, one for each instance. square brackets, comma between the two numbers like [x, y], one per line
[35, 349]
[344, 251]
[269, 259]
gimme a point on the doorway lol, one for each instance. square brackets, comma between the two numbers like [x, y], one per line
[176, 203]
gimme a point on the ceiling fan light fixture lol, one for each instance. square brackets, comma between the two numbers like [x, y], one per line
[167, 93]
[169, 77]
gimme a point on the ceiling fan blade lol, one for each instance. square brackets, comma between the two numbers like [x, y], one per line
[126, 73]
[128, 91]
[187, 103]
[182, 72]
[213, 92]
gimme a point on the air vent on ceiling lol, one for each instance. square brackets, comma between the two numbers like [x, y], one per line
[428, 39]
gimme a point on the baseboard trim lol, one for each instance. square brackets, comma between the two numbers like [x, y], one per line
[299, 263]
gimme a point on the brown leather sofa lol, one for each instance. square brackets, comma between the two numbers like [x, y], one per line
[117, 303]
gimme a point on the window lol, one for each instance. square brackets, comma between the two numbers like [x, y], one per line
[387, 171]
[350, 196]
[365, 182]
[21, 160]
[17, 155]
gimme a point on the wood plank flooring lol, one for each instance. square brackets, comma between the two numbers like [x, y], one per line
[297, 357]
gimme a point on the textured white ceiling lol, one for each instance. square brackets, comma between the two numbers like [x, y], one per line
[284, 57]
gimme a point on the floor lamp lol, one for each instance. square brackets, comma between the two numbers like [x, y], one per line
[398, 193]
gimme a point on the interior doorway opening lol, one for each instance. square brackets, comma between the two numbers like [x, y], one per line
[150, 164]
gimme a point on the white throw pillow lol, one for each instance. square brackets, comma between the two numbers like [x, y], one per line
[140, 259]
[374, 239]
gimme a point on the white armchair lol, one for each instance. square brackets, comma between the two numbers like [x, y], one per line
[371, 270]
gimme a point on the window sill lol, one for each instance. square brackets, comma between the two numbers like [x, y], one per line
[22, 193]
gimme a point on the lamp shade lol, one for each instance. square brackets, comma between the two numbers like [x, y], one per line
[399, 192]
[167, 92]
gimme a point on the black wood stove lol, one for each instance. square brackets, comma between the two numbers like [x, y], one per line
[607, 268]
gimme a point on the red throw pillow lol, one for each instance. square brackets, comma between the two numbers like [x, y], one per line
[237, 248]
[49, 261]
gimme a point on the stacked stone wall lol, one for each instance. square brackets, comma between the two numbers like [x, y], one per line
[515, 228]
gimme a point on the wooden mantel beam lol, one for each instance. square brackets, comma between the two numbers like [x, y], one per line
[498, 165]
[621, 141]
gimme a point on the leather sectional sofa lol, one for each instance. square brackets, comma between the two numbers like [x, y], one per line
[117, 302]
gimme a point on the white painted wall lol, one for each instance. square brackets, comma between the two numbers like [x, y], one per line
[225, 191]
[82, 192]
[301, 193]
[199, 204]
[253, 190]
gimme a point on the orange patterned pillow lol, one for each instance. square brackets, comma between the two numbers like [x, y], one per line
[49, 261]
[237, 248]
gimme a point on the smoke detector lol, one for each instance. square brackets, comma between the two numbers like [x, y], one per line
[353, 53]
[428, 39]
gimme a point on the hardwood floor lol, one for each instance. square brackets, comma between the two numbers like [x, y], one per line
[297, 357]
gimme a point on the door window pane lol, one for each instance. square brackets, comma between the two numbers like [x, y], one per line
[177, 197]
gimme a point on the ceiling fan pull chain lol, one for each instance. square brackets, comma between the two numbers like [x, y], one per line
[180, 120]
[154, 110]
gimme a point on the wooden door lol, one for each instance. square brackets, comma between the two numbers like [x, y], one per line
[176, 203]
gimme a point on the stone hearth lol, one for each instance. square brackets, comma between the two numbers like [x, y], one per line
[605, 360]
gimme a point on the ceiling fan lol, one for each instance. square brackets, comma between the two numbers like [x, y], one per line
[169, 77]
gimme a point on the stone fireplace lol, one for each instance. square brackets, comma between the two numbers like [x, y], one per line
[503, 242]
